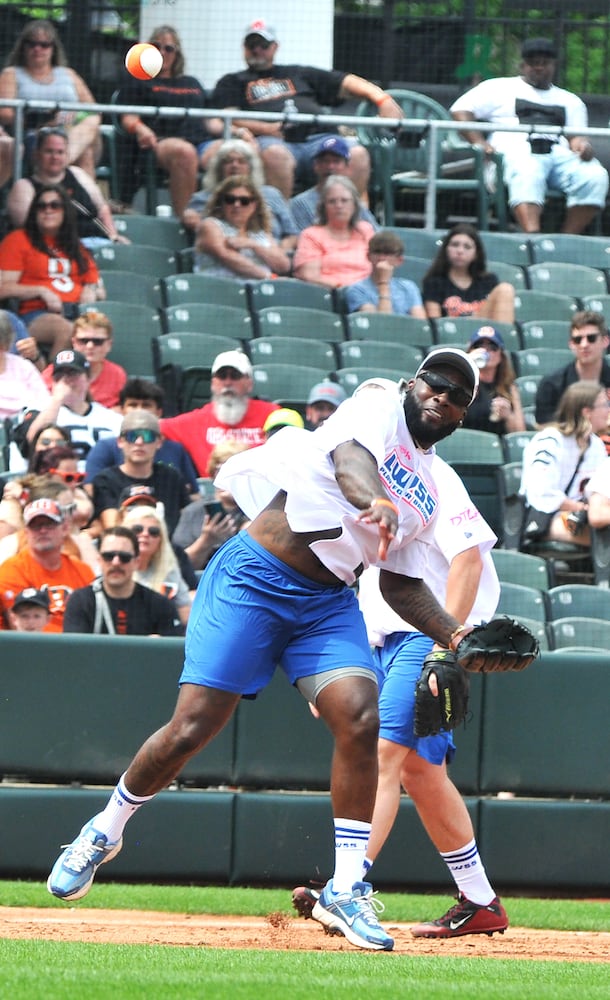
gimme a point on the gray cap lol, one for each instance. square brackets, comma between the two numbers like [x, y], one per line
[138, 420]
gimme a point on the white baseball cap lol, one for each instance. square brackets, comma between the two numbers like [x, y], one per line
[232, 359]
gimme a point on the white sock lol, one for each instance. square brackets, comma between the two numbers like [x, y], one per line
[367, 864]
[351, 841]
[120, 807]
[469, 874]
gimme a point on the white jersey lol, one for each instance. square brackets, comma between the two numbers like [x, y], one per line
[550, 460]
[299, 462]
[457, 527]
[86, 430]
[512, 101]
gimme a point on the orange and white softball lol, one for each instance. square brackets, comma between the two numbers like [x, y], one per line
[144, 61]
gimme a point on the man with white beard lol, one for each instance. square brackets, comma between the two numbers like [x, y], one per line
[231, 414]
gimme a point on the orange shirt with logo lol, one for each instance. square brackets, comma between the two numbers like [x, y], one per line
[23, 570]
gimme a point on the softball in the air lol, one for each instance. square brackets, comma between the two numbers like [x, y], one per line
[144, 61]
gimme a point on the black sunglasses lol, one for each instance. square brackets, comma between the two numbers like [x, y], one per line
[255, 42]
[32, 43]
[96, 341]
[123, 557]
[238, 199]
[589, 337]
[165, 48]
[456, 394]
[54, 206]
[153, 531]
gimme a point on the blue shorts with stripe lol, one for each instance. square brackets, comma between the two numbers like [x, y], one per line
[398, 664]
[253, 612]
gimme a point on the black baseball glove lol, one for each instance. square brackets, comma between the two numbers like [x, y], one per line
[447, 709]
[499, 645]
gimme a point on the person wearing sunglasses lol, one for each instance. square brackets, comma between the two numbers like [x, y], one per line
[234, 239]
[324, 506]
[157, 566]
[50, 165]
[116, 604]
[497, 408]
[47, 269]
[175, 143]
[265, 86]
[37, 69]
[589, 341]
[139, 440]
[92, 337]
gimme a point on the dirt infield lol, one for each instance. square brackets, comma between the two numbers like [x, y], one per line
[278, 931]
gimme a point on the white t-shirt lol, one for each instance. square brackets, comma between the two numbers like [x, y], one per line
[86, 430]
[299, 462]
[549, 462]
[600, 481]
[457, 527]
[511, 101]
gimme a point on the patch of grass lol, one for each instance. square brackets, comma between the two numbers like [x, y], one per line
[543, 914]
[52, 971]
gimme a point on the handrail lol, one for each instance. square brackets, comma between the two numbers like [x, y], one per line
[152, 111]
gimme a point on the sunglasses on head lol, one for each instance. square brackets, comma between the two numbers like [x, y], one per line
[145, 434]
[123, 557]
[96, 341]
[139, 529]
[165, 48]
[589, 337]
[71, 478]
[456, 394]
[238, 199]
[53, 206]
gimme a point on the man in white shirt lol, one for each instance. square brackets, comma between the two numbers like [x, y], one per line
[533, 162]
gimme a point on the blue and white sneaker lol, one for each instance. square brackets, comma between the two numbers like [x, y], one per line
[75, 869]
[353, 916]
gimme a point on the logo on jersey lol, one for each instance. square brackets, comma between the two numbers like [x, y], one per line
[408, 485]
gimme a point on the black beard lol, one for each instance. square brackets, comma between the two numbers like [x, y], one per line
[423, 434]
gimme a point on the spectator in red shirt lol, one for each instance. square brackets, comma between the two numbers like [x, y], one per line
[231, 414]
[92, 336]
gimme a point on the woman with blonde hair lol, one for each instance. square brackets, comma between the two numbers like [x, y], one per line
[236, 157]
[157, 565]
[234, 240]
[560, 459]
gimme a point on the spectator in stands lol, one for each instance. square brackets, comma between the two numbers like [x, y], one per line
[70, 405]
[23, 452]
[37, 70]
[42, 563]
[264, 86]
[30, 611]
[282, 418]
[45, 267]
[176, 143]
[497, 407]
[597, 496]
[20, 383]
[206, 524]
[92, 336]
[561, 458]
[139, 440]
[231, 414]
[588, 340]
[238, 158]
[381, 292]
[116, 604]
[459, 284]
[53, 482]
[534, 162]
[50, 166]
[234, 239]
[332, 156]
[334, 253]
[157, 565]
[141, 394]
[323, 400]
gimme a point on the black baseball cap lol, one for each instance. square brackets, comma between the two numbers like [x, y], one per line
[538, 47]
[39, 598]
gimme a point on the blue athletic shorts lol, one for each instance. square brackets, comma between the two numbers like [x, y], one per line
[398, 665]
[252, 613]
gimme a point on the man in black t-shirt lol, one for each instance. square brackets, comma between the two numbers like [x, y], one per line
[116, 604]
[139, 440]
[266, 87]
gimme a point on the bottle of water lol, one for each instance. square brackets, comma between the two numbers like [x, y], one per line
[481, 359]
[290, 107]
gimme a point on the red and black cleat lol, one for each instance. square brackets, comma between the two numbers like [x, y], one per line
[465, 918]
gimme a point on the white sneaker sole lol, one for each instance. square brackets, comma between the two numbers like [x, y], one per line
[332, 924]
[84, 889]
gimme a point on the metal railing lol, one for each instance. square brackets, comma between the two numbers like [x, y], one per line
[431, 125]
